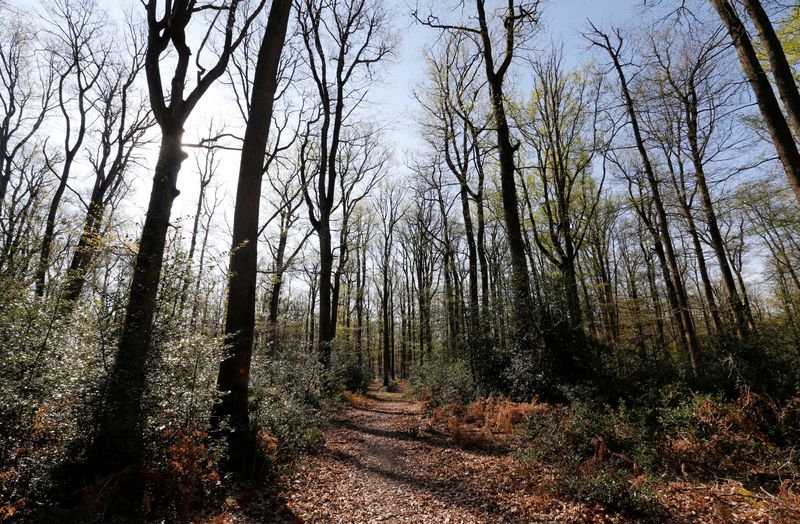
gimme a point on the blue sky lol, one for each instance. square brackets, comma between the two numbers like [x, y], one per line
[562, 22]
[394, 105]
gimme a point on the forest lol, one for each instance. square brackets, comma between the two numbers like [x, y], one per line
[552, 275]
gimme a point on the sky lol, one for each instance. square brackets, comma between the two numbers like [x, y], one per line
[393, 104]
[562, 23]
[392, 97]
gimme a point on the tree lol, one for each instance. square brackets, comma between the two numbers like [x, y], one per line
[118, 442]
[781, 70]
[388, 207]
[759, 82]
[81, 52]
[124, 121]
[561, 125]
[660, 228]
[517, 19]
[26, 95]
[343, 41]
[234, 368]
[705, 95]
[453, 104]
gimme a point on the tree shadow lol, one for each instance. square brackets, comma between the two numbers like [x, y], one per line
[378, 398]
[384, 411]
[454, 492]
[423, 438]
[267, 505]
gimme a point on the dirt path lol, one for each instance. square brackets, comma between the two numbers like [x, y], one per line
[378, 466]
[382, 463]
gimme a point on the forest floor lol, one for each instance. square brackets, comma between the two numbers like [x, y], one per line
[384, 463]
[380, 465]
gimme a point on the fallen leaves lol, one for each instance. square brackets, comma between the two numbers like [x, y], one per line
[386, 462]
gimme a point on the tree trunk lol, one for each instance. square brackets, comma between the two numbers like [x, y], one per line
[717, 243]
[84, 251]
[765, 96]
[781, 70]
[520, 281]
[234, 368]
[118, 442]
[325, 273]
[50, 223]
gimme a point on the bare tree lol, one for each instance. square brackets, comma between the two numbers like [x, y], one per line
[344, 40]
[26, 91]
[27, 88]
[234, 368]
[124, 120]
[81, 51]
[118, 442]
[661, 225]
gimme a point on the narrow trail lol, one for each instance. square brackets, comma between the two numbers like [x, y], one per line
[379, 466]
[383, 463]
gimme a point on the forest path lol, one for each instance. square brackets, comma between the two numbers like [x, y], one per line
[378, 465]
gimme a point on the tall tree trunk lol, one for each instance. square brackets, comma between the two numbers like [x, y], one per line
[275, 291]
[118, 442]
[520, 281]
[658, 314]
[84, 251]
[781, 70]
[387, 354]
[234, 368]
[361, 277]
[759, 82]
[325, 272]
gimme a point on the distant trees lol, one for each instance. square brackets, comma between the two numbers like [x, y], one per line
[388, 208]
[344, 41]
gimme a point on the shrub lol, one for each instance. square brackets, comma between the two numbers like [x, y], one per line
[444, 380]
[348, 373]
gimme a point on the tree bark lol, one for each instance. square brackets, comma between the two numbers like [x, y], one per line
[781, 70]
[119, 438]
[765, 96]
[234, 368]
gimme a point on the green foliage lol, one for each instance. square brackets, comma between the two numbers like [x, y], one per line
[613, 487]
[49, 381]
[613, 455]
[348, 374]
[445, 380]
[595, 448]
[289, 402]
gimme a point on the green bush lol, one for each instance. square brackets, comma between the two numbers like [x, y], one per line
[445, 380]
[592, 446]
[289, 401]
[613, 455]
[348, 373]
